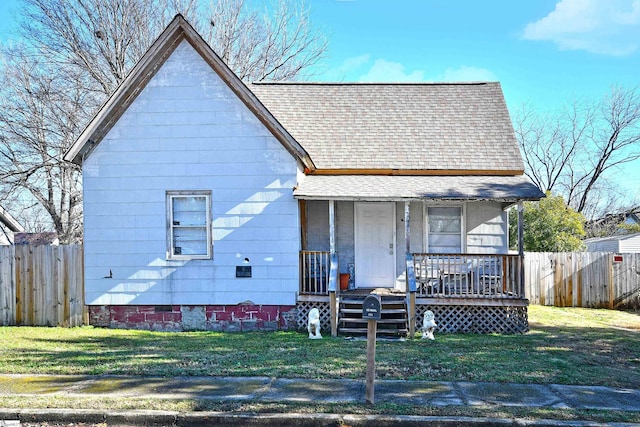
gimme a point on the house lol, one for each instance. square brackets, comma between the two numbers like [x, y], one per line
[8, 227]
[620, 243]
[213, 204]
[613, 223]
[36, 239]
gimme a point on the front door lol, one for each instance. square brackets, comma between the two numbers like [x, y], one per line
[375, 245]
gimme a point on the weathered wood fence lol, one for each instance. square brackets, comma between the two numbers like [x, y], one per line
[41, 285]
[583, 279]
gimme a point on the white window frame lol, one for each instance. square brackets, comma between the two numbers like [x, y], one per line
[173, 195]
[463, 223]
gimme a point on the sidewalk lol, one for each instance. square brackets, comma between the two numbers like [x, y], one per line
[265, 389]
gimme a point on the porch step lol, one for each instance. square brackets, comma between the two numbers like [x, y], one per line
[363, 331]
[393, 322]
[385, 311]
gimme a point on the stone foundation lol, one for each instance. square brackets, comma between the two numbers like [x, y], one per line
[231, 318]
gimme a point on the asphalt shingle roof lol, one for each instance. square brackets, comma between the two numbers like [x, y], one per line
[427, 126]
[382, 187]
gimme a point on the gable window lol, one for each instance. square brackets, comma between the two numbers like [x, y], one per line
[189, 225]
[444, 230]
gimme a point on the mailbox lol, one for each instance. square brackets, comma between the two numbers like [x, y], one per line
[371, 307]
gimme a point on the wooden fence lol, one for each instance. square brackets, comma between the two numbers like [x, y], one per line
[583, 279]
[41, 285]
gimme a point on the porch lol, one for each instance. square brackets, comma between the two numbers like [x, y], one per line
[465, 276]
[468, 293]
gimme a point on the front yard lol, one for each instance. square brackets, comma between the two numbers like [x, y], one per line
[565, 346]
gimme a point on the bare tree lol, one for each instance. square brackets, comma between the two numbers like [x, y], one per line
[616, 137]
[73, 55]
[550, 144]
[98, 40]
[38, 118]
[278, 43]
[570, 152]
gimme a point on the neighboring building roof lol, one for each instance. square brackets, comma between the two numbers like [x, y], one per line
[178, 30]
[44, 238]
[612, 223]
[612, 238]
[378, 188]
[425, 128]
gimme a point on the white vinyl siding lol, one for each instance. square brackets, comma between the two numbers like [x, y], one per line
[486, 225]
[187, 130]
[444, 230]
[189, 225]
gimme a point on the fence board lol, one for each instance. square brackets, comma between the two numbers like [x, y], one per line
[7, 286]
[41, 285]
[582, 279]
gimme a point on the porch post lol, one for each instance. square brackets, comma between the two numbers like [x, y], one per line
[521, 246]
[333, 303]
[332, 227]
[410, 291]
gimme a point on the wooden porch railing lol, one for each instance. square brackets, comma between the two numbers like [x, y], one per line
[315, 272]
[468, 275]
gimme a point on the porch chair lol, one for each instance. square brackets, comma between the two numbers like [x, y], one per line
[428, 277]
[490, 276]
[456, 276]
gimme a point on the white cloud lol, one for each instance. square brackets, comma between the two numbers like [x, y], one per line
[598, 26]
[348, 67]
[354, 63]
[383, 71]
[466, 73]
[386, 71]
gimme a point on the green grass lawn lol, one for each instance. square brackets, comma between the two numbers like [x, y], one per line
[564, 346]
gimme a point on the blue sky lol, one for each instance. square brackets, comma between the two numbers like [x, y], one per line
[543, 52]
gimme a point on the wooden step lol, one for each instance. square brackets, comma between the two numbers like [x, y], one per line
[394, 318]
[384, 311]
[383, 321]
[363, 331]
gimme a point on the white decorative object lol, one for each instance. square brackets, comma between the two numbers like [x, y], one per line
[428, 325]
[313, 325]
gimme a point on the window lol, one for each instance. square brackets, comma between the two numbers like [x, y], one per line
[445, 230]
[189, 225]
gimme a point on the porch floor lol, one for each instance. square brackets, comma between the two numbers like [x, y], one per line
[368, 291]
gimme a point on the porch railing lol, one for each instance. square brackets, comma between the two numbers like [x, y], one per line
[315, 272]
[468, 275]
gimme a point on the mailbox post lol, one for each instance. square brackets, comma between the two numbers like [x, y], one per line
[371, 310]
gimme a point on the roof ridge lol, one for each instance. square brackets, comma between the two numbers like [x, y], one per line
[292, 83]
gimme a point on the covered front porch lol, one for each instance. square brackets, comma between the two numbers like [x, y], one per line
[450, 257]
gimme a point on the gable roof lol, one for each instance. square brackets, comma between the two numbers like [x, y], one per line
[424, 128]
[177, 31]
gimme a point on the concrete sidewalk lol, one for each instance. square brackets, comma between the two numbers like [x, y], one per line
[264, 389]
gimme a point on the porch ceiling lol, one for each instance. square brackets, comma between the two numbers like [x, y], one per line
[387, 188]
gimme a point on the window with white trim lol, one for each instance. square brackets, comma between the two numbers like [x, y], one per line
[189, 225]
[445, 230]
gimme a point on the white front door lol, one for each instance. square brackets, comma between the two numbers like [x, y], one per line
[375, 245]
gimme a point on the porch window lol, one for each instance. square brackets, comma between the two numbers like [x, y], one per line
[189, 225]
[445, 230]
